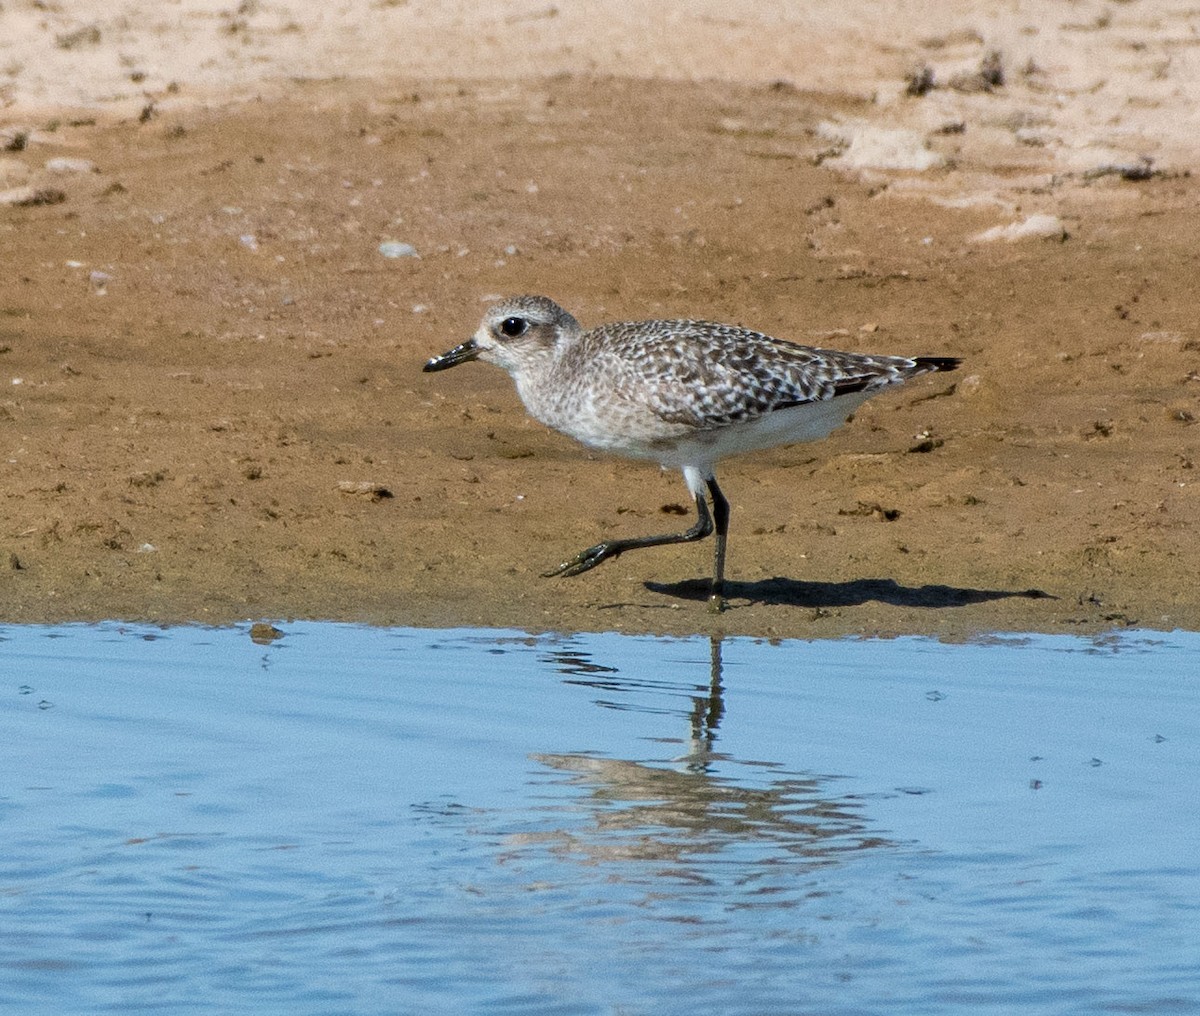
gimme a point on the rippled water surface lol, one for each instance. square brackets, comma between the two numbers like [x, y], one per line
[353, 820]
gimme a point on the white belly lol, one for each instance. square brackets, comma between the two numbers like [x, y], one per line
[809, 422]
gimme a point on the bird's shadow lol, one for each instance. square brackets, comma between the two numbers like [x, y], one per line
[796, 593]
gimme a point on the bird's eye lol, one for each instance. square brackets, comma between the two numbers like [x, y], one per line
[514, 326]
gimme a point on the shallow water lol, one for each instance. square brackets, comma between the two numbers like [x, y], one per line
[354, 820]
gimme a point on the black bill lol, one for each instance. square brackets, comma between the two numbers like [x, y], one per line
[453, 357]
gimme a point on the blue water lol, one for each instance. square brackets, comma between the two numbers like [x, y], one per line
[360, 821]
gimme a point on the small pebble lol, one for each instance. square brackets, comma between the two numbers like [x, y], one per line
[365, 488]
[28, 196]
[1034, 227]
[396, 249]
[264, 634]
[61, 164]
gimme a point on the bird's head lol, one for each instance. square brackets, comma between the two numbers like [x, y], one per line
[515, 334]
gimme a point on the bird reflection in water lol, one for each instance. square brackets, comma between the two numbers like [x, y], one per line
[699, 804]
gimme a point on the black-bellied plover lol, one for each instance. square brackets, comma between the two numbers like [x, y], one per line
[682, 393]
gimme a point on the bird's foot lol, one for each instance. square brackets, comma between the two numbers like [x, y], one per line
[586, 559]
[716, 600]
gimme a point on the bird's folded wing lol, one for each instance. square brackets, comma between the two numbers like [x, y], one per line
[716, 375]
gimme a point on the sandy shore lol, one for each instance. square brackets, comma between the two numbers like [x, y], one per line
[214, 408]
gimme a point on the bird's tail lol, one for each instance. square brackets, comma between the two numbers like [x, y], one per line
[928, 363]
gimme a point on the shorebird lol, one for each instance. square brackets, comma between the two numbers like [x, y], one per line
[682, 393]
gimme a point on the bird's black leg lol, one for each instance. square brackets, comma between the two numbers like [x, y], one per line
[591, 557]
[720, 507]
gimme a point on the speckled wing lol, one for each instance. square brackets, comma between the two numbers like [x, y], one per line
[704, 375]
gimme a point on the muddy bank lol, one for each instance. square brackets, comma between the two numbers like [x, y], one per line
[205, 353]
